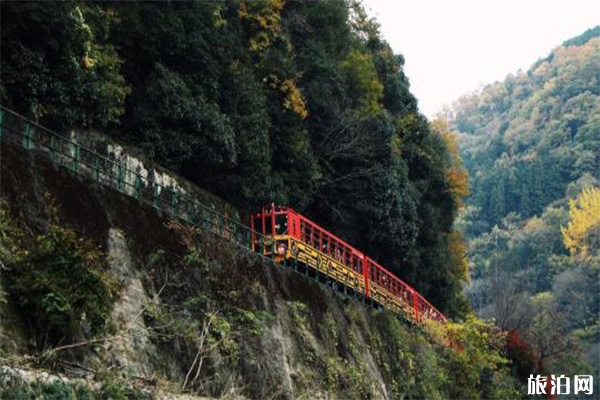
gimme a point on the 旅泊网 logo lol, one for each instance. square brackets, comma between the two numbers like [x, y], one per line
[582, 384]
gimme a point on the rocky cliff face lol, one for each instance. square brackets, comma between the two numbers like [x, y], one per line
[193, 313]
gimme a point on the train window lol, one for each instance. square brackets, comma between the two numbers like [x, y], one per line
[325, 244]
[281, 224]
[305, 233]
[356, 264]
[348, 258]
[268, 225]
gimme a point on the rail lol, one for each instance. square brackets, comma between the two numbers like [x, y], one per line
[140, 184]
[108, 171]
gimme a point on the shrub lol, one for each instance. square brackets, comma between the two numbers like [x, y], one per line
[61, 286]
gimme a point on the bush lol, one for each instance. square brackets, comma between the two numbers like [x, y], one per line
[61, 287]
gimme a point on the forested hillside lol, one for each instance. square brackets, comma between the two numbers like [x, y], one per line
[297, 103]
[531, 145]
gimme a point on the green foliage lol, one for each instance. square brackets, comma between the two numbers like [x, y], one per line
[61, 286]
[197, 130]
[10, 235]
[57, 65]
[359, 72]
[446, 361]
[298, 103]
[583, 38]
[13, 387]
[532, 146]
[56, 390]
[528, 138]
[476, 359]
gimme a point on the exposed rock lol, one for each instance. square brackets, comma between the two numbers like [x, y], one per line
[132, 353]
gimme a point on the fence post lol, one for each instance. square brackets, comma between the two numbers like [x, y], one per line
[221, 226]
[248, 238]
[155, 195]
[233, 232]
[206, 221]
[138, 187]
[120, 177]
[74, 152]
[27, 136]
[174, 201]
[52, 147]
[96, 167]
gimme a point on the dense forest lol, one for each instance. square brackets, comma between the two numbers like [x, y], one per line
[303, 103]
[531, 145]
[297, 103]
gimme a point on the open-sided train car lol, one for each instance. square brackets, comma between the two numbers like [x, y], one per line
[289, 236]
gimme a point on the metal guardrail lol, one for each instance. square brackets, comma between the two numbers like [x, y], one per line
[21, 131]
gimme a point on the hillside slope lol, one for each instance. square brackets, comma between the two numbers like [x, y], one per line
[531, 145]
[528, 138]
[190, 312]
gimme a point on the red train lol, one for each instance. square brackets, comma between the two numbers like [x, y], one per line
[292, 237]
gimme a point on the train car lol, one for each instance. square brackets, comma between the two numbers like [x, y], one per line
[292, 237]
[287, 236]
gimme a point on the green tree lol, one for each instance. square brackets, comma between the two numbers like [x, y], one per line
[58, 66]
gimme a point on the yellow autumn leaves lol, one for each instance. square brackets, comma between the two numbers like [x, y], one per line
[458, 178]
[266, 16]
[581, 236]
[265, 19]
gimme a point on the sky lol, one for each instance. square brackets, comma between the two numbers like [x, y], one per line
[454, 47]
